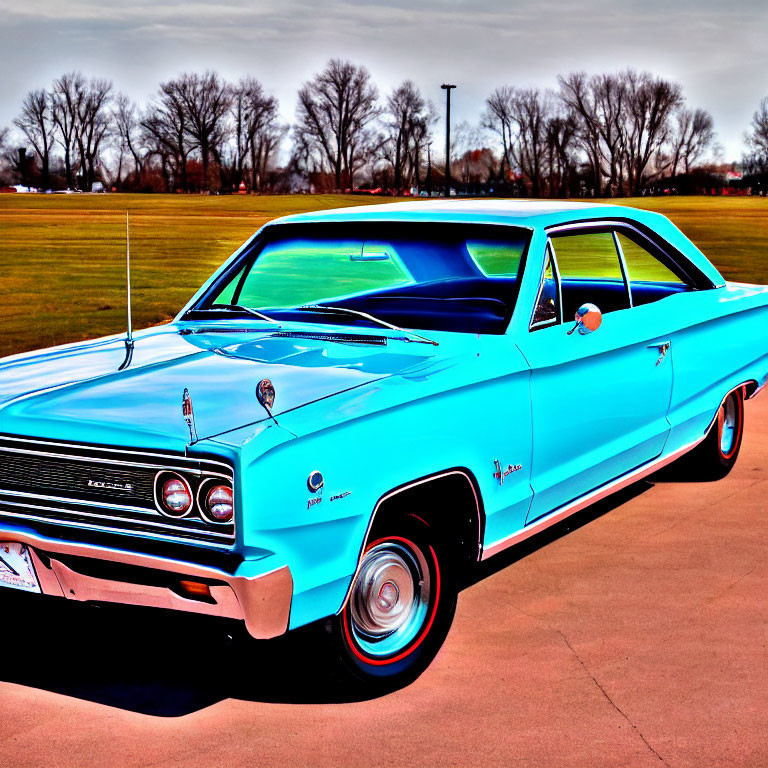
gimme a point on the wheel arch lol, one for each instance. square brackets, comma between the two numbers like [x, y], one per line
[466, 520]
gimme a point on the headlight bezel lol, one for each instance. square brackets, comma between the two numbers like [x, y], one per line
[204, 489]
[197, 487]
[161, 480]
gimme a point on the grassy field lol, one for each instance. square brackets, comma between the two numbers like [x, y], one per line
[62, 257]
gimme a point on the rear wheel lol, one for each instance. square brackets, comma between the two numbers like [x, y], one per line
[400, 606]
[715, 456]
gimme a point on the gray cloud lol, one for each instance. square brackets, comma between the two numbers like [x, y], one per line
[716, 50]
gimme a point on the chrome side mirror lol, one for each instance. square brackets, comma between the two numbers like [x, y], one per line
[588, 319]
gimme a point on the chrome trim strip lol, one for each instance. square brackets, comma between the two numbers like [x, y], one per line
[623, 265]
[80, 502]
[549, 251]
[556, 515]
[86, 446]
[263, 601]
[402, 489]
[117, 462]
[125, 531]
[149, 522]
[582, 502]
[623, 224]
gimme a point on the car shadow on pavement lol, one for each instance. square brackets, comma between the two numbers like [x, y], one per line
[170, 664]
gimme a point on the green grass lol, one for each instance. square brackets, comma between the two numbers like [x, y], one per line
[62, 257]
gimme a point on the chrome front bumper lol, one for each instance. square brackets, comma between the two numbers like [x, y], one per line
[262, 601]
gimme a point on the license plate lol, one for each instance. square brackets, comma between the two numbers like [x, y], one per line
[16, 569]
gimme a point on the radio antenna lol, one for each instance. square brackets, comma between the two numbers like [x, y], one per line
[129, 333]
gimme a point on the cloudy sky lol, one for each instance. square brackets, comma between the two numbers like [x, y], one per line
[717, 50]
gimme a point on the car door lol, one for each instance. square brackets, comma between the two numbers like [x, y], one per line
[599, 400]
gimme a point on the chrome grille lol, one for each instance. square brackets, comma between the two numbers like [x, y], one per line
[76, 479]
[103, 489]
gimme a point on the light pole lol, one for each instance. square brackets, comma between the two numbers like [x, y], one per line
[447, 88]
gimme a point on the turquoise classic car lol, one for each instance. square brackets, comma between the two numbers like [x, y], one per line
[363, 404]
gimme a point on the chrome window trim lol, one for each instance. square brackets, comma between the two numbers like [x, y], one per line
[623, 264]
[550, 256]
[619, 224]
[619, 255]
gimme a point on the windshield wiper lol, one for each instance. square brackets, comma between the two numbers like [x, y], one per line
[326, 310]
[238, 308]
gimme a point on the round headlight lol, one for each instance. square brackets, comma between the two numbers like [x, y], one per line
[219, 503]
[176, 497]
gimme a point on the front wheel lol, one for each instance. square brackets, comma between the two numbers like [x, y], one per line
[400, 606]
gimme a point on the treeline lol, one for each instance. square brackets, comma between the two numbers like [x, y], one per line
[604, 135]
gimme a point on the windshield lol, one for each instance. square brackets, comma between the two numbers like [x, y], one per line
[422, 276]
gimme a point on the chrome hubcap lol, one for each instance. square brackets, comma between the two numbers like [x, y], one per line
[727, 425]
[389, 599]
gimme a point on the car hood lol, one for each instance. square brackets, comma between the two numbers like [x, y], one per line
[78, 392]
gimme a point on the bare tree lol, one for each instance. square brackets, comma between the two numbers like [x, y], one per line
[498, 118]
[127, 128]
[167, 136]
[408, 120]
[577, 93]
[37, 124]
[693, 133]
[335, 110]
[206, 101]
[652, 101]
[537, 133]
[67, 94]
[5, 157]
[93, 123]
[758, 138]
[257, 134]
[561, 133]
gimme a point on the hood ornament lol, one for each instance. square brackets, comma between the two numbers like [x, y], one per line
[265, 394]
[189, 415]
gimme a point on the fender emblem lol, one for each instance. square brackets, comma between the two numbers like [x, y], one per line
[340, 495]
[500, 473]
[312, 502]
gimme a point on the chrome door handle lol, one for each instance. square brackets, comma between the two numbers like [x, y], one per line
[663, 347]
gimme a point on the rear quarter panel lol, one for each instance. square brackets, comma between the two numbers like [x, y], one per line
[719, 341]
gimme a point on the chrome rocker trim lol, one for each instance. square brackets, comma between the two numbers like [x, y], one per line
[263, 602]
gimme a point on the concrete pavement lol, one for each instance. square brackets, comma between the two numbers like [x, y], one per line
[634, 635]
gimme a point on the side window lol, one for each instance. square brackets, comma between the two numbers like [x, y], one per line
[649, 279]
[590, 271]
[547, 309]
